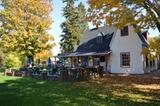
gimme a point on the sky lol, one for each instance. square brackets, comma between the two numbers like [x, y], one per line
[58, 19]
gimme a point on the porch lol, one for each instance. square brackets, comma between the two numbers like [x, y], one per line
[86, 60]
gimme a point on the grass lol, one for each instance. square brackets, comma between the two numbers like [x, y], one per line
[110, 91]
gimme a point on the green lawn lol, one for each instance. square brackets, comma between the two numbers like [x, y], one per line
[109, 91]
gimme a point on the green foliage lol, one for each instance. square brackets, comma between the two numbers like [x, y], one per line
[73, 27]
[23, 59]
[25, 25]
[12, 60]
[143, 13]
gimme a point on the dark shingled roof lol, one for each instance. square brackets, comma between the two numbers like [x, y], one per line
[89, 44]
[143, 39]
[94, 46]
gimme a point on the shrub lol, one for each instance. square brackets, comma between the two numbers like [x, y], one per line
[12, 60]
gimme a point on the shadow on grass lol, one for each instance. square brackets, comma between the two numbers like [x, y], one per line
[31, 92]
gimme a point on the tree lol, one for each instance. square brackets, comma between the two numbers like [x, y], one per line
[73, 26]
[153, 49]
[82, 22]
[25, 25]
[12, 60]
[143, 13]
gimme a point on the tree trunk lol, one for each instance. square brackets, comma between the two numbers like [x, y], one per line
[155, 19]
[156, 10]
[151, 5]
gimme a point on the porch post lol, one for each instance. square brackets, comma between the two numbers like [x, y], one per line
[81, 60]
[71, 61]
[92, 61]
[106, 62]
[55, 60]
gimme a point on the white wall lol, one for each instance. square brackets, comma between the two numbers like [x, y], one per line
[132, 44]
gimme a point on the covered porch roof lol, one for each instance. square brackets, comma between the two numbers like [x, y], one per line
[76, 54]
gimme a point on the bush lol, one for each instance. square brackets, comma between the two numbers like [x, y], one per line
[12, 60]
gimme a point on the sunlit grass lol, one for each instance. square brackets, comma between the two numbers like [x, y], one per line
[18, 91]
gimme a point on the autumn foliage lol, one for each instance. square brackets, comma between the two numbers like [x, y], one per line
[143, 13]
[25, 25]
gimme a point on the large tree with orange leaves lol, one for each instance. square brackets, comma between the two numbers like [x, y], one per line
[25, 25]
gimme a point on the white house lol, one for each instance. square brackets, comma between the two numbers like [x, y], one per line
[118, 51]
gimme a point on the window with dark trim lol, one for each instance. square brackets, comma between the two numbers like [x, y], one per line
[124, 31]
[125, 59]
[102, 58]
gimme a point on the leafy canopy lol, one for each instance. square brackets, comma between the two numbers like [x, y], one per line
[143, 13]
[25, 25]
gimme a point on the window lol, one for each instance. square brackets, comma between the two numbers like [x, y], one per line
[124, 31]
[125, 59]
[102, 58]
[100, 37]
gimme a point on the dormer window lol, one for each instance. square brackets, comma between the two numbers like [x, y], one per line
[99, 38]
[124, 31]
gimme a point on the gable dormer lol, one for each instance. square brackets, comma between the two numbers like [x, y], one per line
[99, 38]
